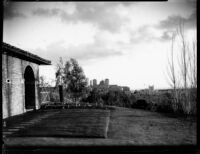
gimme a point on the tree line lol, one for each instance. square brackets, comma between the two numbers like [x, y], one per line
[181, 71]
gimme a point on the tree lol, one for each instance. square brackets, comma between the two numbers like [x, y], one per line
[193, 65]
[59, 71]
[94, 95]
[43, 82]
[74, 79]
[172, 74]
[44, 91]
[60, 78]
[187, 68]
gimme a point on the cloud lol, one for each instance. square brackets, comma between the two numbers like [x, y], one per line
[146, 33]
[102, 15]
[46, 12]
[140, 34]
[149, 33]
[172, 22]
[82, 53]
[166, 36]
[10, 11]
[191, 3]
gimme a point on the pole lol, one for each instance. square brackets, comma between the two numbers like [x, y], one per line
[61, 85]
[61, 93]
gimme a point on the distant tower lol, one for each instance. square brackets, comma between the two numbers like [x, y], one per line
[151, 88]
[107, 82]
[90, 82]
[87, 80]
[101, 82]
[94, 82]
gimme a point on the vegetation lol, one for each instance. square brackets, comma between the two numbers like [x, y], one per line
[115, 98]
[72, 77]
[183, 75]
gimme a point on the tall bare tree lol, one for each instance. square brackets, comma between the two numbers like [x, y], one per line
[171, 71]
[193, 65]
[187, 67]
[184, 55]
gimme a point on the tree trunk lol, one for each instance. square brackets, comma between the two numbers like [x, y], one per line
[61, 93]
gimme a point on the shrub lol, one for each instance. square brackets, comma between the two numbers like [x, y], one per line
[140, 104]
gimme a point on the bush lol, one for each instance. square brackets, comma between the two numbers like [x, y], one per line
[140, 104]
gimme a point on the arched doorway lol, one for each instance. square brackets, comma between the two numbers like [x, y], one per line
[29, 88]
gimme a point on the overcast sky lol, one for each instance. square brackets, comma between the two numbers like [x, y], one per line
[126, 42]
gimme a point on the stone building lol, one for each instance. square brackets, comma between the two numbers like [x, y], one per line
[91, 83]
[94, 82]
[107, 82]
[102, 82]
[115, 88]
[125, 88]
[20, 80]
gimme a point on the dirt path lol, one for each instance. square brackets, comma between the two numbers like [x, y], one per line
[150, 128]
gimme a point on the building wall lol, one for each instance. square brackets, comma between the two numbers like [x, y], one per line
[125, 88]
[13, 93]
[115, 88]
[107, 82]
[94, 82]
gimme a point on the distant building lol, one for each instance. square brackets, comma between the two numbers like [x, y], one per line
[94, 82]
[107, 82]
[151, 89]
[143, 91]
[102, 82]
[91, 83]
[115, 88]
[125, 88]
[166, 90]
[87, 80]
[127, 92]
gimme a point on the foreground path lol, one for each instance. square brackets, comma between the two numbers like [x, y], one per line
[126, 127]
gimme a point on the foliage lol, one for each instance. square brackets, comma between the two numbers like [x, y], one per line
[164, 102]
[73, 78]
[140, 104]
[113, 98]
[43, 82]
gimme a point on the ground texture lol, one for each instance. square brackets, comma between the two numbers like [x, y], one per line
[90, 127]
[151, 128]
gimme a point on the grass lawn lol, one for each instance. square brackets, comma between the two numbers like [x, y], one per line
[68, 123]
[88, 127]
[151, 128]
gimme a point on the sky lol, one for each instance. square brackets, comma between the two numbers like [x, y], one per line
[126, 42]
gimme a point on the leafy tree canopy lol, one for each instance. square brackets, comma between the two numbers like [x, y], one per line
[73, 78]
